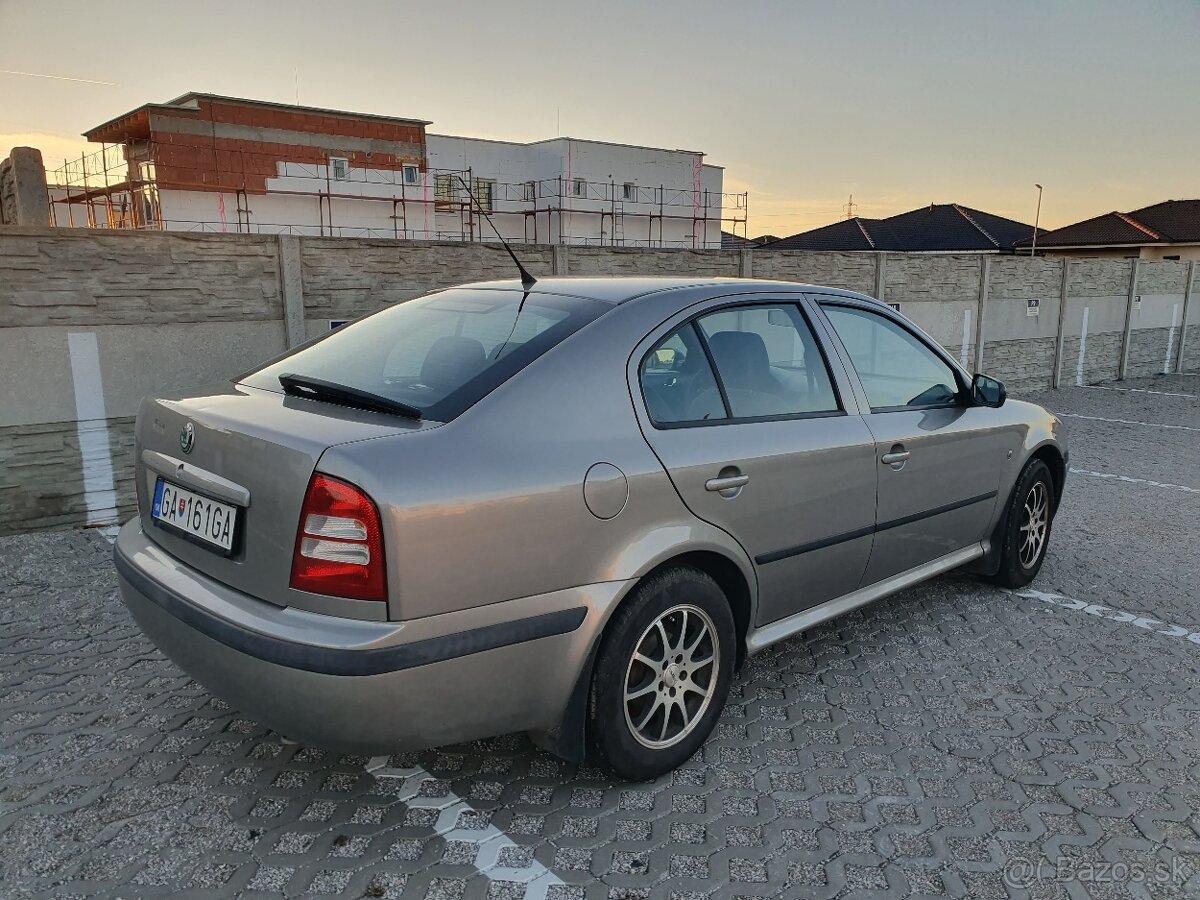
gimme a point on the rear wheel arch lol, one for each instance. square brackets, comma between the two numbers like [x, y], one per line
[729, 578]
[570, 739]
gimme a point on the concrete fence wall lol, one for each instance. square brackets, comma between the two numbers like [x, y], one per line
[90, 321]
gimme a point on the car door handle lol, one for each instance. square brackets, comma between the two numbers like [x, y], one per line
[728, 483]
[894, 457]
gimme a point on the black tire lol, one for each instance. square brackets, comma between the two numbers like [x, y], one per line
[665, 595]
[1015, 569]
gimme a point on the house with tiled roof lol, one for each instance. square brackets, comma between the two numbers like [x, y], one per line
[937, 228]
[1167, 230]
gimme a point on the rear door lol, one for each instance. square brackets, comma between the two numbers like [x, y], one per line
[762, 438]
[938, 457]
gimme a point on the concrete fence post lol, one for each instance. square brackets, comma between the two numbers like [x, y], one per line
[746, 263]
[1125, 338]
[24, 199]
[559, 261]
[1187, 306]
[291, 283]
[985, 273]
[1060, 338]
[880, 276]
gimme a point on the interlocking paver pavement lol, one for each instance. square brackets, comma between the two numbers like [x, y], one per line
[952, 740]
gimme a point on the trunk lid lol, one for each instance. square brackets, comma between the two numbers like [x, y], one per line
[254, 449]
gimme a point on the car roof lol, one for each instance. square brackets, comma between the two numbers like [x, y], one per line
[620, 289]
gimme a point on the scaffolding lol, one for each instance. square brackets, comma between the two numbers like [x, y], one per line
[116, 187]
[107, 188]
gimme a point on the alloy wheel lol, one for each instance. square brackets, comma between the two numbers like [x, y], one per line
[671, 677]
[1036, 523]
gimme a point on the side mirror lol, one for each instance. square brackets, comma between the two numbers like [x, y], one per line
[987, 391]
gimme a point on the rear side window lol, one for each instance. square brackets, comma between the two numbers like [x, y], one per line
[768, 362]
[678, 382]
[439, 353]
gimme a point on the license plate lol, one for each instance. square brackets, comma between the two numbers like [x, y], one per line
[200, 518]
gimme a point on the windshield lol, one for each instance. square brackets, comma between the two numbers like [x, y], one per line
[440, 353]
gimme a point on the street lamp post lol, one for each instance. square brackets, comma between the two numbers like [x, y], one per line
[1036, 218]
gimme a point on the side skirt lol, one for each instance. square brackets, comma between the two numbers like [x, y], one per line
[774, 632]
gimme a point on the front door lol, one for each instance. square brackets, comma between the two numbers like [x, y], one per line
[762, 440]
[938, 457]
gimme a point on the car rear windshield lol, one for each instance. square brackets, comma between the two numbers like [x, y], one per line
[440, 353]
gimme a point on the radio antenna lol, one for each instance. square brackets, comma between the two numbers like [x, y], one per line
[527, 280]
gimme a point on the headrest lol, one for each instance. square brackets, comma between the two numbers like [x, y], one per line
[741, 356]
[451, 362]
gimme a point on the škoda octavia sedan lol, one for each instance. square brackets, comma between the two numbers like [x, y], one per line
[571, 508]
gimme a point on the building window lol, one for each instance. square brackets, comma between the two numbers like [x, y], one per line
[412, 175]
[530, 192]
[339, 168]
[579, 188]
[485, 190]
[629, 191]
[443, 191]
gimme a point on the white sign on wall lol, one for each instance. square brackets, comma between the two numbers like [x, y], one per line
[1033, 307]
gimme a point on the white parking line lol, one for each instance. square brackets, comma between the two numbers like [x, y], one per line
[1112, 614]
[109, 532]
[1063, 415]
[491, 840]
[1130, 480]
[1104, 387]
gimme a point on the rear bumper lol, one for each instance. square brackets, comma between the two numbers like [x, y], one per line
[363, 686]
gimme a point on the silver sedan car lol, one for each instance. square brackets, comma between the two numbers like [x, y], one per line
[571, 509]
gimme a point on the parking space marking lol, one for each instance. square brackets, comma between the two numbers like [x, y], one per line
[109, 532]
[1131, 480]
[1112, 614]
[1063, 415]
[491, 841]
[1105, 387]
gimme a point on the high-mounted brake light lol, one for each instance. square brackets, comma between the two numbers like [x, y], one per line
[339, 544]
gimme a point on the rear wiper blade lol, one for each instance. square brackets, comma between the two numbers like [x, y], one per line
[319, 389]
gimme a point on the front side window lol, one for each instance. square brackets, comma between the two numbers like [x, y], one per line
[768, 362]
[439, 353]
[678, 382]
[896, 369]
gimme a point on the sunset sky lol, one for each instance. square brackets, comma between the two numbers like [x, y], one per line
[900, 103]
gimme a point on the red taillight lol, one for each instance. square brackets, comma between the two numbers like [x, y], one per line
[339, 546]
